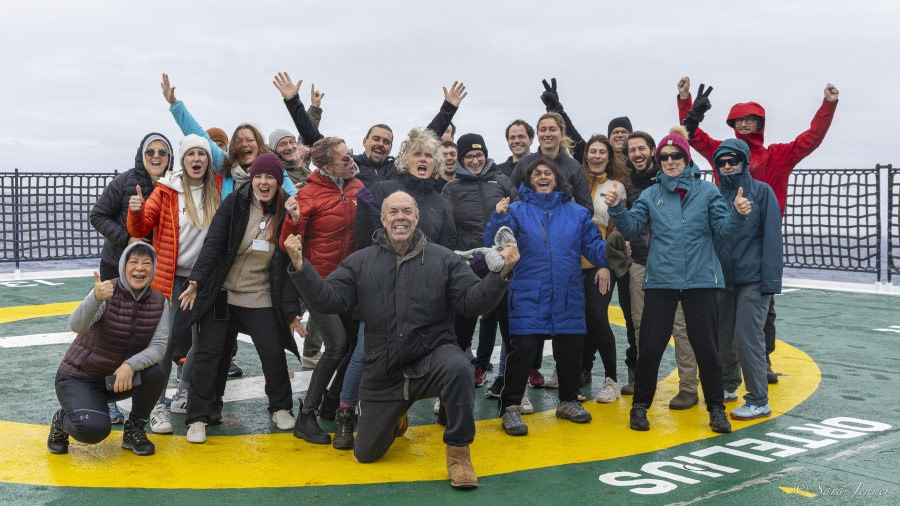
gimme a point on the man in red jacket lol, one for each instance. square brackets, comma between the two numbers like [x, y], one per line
[770, 164]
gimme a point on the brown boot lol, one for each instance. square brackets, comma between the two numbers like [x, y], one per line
[684, 400]
[459, 467]
[402, 425]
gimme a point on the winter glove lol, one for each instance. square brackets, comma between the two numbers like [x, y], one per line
[550, 97]
[479, 264]
[489, 258]
[698, 111]
[364, 196]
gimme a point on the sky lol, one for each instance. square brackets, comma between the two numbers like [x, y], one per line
[81, 80]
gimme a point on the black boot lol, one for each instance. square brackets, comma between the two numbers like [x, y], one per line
[135, 439]
[307, 428]
[344, 423]
[328, 407]
[58, 440]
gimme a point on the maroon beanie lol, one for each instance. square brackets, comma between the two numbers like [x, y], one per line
[268, 163]
[677, 140]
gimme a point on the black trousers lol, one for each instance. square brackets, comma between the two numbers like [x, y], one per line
[108, 271]
[599, 335]
[769, 329]
[502, 311]
[567, 351]
[701, 320]
[85, 415]
[623, 285]
[213, 356]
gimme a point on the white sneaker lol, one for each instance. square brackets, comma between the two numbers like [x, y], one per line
[179, 401]
[437, 406]
[731, 396]
[160, 422]
[196, 432]
[310, 362]
[609, 392]
[283, 419]
[551, 381]
[526, 407]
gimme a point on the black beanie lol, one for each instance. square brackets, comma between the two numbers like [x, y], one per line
[470, 142]
[621, 121]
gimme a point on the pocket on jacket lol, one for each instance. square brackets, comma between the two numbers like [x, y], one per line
[575, 292]
[524, 295]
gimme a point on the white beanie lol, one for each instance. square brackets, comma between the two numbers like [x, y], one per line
[193, 141]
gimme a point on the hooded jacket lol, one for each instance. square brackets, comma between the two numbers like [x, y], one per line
[473, 198]
[547, 295]
[682, 255]
[407, 303]
[754, 253]
[110, 214]
[571, 171]
[770, 164]
[128, 328]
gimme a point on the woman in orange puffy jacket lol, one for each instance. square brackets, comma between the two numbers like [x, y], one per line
[178, 212]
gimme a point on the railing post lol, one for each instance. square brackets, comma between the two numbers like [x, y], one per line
[17, 240]
[886, 169]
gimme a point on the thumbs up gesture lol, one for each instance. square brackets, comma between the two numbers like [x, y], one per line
[742, 205]
[136, 200]
[613, 195]
[103, 290]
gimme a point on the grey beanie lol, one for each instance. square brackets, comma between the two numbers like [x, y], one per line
[277, 135]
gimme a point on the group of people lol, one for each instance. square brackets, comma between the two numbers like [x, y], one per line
[395, 259]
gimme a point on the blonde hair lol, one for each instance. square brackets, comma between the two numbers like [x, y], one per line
[209, 200]
[566, 143]
[419, 140]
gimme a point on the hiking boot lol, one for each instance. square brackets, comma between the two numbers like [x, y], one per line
[536, 379]
[572, 410]
[179, 401]
[496, 387]
[459, 467]
[441, 414]
[196, 432]
[526, 407]
[135, 439]
[771, 376]
[344, 423]
[402, 425]
[479, 376]
[586, 378]
[730, 396]
[552, 381]
[750, 412]
[609, 392]
[718, 421]
[684, 400]
[512, 422]
[310, 362]
[234, 370]
[628, 389]
[58, 440]
[160, 422]
[638, 419]
[328, 407]
[307, 428]
[115, 416]
[283, 419]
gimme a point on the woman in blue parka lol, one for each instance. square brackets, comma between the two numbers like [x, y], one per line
[546, 296]
[685, 213]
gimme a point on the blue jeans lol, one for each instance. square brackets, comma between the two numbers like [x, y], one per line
[350, 389]
[742, 341]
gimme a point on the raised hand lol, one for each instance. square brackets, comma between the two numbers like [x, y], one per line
[613, 196]
[510, 253]
[297, 326]
[315, 97]
[684, 87]
[136, 201]
[550, 97]
[293, 208]
[702, 103]
[293, 245]
[456, 94]
[286, 86]
[831, 92]
[742, 205]
[103, 290]
[502, 206]
[187, 297]
[168, 91]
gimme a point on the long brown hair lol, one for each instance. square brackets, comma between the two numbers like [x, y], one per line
[232, 158]
[275, 222]
[615, 167]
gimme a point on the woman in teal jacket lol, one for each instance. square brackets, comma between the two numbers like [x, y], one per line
[546, 297]
[685, 213]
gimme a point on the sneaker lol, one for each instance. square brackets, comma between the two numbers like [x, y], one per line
[536, 379]
[552, 381]
[496, 387]
[58, 440]
[310, 362]
[196, 432]
[178, 369]
[437, 406]
[586, 378]
[179, 401]
[572, 410]
[730, 396]
[489, 367]
[234, 370]
[628, 389]
[526, 407]
[160, 422]
[115, 416]
[512, 422]
[135, 439]
[283, 419]
[479, 377]
[718, 421]
[750, 412]
[609, 392]
[638, 417]
[684, 400]
[771, 376]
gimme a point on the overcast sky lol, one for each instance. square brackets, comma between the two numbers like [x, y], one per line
[81, 79]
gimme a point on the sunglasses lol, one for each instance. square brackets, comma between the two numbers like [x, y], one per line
[731, 160]
[153, 152]
[678, 155]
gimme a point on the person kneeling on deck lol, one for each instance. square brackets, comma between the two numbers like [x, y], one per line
[123, 327]
[408, 289]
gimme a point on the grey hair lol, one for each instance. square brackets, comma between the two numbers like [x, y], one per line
[384, 202]
[419, 140]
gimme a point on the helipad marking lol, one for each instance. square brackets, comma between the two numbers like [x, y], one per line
[16, 313]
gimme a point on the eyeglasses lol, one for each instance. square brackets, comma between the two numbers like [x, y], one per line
[474, 156]
[347, 161]
[150, 153]
[664, 157]
[731, 160]
[748, 119]
[619, 131]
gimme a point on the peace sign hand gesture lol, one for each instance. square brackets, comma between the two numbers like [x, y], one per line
[550, 97]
